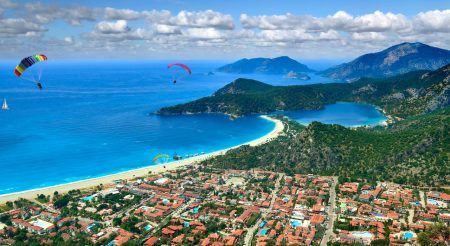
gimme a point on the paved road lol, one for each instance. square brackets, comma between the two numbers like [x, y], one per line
[411, 216]
[331, 214]
[422, 199]
[251, 230]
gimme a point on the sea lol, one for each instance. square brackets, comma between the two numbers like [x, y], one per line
[95, 118]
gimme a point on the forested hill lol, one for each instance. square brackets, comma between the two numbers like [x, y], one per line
[403, 95]
[413, 151]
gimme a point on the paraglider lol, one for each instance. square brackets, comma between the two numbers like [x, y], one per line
[25, 64]
[161, 158]
[177, 74]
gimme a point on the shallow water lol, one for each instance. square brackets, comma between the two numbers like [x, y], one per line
[342, 113]
[92, 119]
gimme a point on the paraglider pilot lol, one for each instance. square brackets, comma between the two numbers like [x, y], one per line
[183, 66]
[39, 85]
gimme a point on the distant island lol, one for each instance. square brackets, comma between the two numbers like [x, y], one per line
[281, 65]
[398, 59]
[299, 76]
[402, 95]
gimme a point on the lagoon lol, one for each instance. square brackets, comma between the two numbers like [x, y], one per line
[343, 113]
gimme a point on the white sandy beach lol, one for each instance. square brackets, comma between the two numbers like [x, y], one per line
[31, 194]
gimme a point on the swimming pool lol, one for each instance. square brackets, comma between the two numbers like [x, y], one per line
[195, 210]
[263, 232]
[148, 227]
[361, 234]
[89, 198]
[433, 202]
[295, 223]
[263, 223]
[408, 235]
[41, 223]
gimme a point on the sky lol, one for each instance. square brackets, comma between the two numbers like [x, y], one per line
[217, 29]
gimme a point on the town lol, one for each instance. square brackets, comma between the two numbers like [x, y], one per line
[200, 205]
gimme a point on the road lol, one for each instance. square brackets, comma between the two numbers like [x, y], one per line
[422, 199]
[251, 230]
[331, 214]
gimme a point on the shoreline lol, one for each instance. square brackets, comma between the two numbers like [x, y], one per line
[142, 171]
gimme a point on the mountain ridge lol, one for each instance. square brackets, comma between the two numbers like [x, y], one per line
[397, 59]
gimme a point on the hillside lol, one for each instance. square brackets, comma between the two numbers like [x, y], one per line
[403, 95]
[398, 59]
[279, 65]
[413, 151]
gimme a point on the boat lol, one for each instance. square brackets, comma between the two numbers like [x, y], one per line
[5, 105]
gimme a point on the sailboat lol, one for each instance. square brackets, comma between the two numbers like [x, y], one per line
[5, 105]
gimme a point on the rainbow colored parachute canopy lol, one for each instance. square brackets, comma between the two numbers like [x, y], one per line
[164, 157]
[28, 62]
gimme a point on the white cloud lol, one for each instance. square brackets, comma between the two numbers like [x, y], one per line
[433, 21]
[8, 4]
[20, 27]
[285, 35]
[275, 22]
[120, 26]
[329, 35]
[206, 18]
[45, 14]
[379, 22]
[68, 40]
[203, 33]
[368, 36]
[166, 29]
[121, 14]
[199, 19]
[130, 30]
[342, 21]
[117, 31]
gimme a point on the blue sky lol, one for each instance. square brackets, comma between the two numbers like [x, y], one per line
[167, 29]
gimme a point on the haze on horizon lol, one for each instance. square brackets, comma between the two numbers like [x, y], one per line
[308, 30]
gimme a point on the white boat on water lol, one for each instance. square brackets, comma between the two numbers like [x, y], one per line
[5, 105]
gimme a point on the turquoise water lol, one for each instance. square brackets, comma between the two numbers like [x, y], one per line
[88, 198]
[342, 113]
[92, 119]
[263, 223]
[263, 232]
[295, 223]
[408, 235]
[432, 202]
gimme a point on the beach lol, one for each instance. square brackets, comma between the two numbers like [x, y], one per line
[82, 184]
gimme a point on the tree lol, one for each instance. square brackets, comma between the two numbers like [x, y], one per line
[310, 202]
[437, 234]
[62, 201]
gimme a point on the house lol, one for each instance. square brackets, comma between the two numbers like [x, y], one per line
[151, 241]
